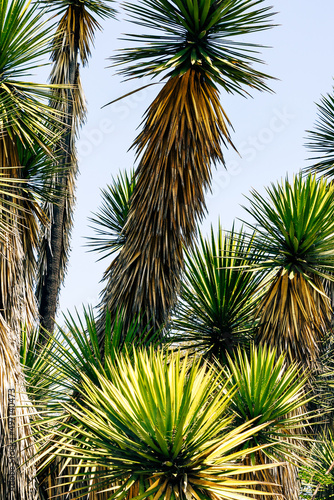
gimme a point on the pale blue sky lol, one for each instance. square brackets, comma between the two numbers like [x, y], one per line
[269, 129]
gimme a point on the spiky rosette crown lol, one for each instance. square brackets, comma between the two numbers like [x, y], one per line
[268, 390]
[218, 298]
[183, 132]
[100, 8]
[296, 231]
[157, 427]
[77, 26]
[206, 34]
[24, 110]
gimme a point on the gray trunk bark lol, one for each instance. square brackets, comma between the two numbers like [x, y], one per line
[52, 282]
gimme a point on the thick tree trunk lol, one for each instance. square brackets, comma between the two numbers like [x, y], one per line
[52, 280]
[182, 135]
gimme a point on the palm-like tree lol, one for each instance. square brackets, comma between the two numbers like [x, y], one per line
[218, 298]
[71, 45]
[268, 390]
[54, 372]
[28, 130]
[154, 424]
[28, 127]
[295, 228]
[197, 49]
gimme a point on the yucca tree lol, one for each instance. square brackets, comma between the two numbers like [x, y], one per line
[218, 298]
[197, 48]
[321, 144]
[268, 390]
[155, 425]
[28, 129]
[71, 46]
[321, 139]
[295, 229]
[54, 373]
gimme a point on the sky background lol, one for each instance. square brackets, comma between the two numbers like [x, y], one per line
[269, 129]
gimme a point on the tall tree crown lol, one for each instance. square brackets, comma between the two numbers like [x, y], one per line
[77, 27]
[206, 34]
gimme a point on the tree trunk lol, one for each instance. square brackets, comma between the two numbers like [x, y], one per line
[49, 295]
[183, 131]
